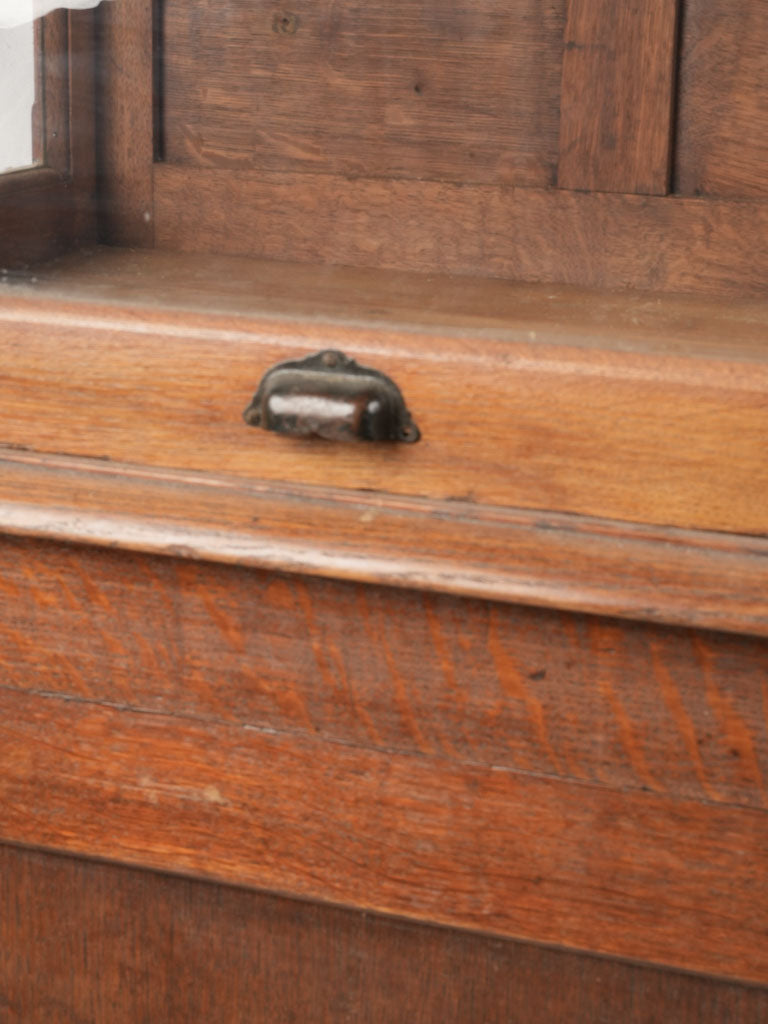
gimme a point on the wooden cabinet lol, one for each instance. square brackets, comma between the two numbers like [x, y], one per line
[471, 729]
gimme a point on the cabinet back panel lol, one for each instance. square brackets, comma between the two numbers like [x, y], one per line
[408, 89]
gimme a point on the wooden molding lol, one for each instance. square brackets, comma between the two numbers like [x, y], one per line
[125, 122]
[47, 210]
[701, 579]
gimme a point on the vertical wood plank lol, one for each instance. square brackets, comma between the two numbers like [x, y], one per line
[125, 123]
[56, 92]
[82, 124]
[49, 209]
[722, 144]
[617, 90]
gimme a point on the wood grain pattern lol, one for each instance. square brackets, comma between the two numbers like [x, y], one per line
[591, 700]
[125, 124]
[593, 420]
[617, 89]
[96, 933]
[405, 89]
[596, 241]
[680, 325]
[632, 874]
[723, 120]
[714, 581]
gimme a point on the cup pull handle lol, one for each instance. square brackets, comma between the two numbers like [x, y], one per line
[331, 396]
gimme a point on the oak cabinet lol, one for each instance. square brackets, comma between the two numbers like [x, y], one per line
[475, 724]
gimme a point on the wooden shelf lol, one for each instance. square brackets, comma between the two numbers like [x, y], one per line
[155, 279]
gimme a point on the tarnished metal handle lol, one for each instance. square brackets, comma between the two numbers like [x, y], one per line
[329, 395]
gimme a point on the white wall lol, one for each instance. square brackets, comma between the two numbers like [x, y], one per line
[17, 94]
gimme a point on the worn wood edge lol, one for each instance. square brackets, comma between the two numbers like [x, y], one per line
[100, 284]
[665, 575]
[641, 876]
[111, 280]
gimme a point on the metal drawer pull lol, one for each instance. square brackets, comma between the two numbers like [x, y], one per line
[329, 395]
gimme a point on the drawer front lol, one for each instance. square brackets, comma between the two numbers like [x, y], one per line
[554, 401]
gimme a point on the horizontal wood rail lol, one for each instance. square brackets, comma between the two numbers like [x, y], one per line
[692, 578]
[631, 874]
[598, 240]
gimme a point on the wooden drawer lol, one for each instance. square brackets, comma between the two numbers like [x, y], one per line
[641, 409]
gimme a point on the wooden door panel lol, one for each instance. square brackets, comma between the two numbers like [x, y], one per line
[406, 89]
